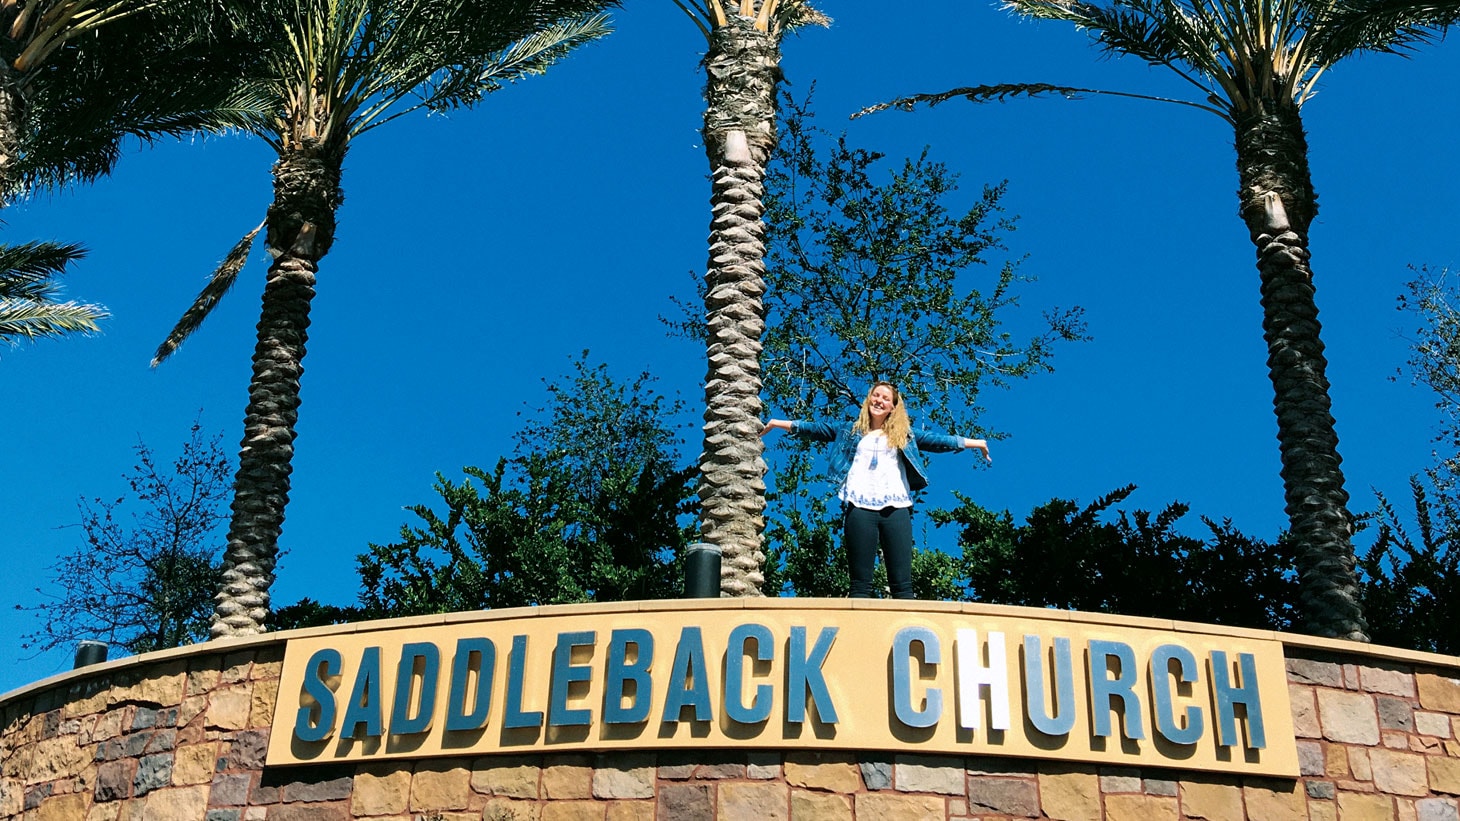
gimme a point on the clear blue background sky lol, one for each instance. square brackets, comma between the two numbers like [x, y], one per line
[478, 252]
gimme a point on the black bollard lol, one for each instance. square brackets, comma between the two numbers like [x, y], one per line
[702, 571]
[89, 652]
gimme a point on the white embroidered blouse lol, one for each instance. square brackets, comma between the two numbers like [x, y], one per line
[877, 479]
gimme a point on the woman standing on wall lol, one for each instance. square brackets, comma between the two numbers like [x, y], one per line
[880, 461]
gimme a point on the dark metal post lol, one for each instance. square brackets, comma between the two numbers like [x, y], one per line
[702, 571]
[89, 652]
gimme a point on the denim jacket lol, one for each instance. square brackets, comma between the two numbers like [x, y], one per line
[845, 441]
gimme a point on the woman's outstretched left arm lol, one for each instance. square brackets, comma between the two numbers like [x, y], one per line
[943, 443]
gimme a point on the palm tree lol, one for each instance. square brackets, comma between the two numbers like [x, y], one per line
[1254, 63]
[742, 70]
[28, 306]
[48, 45]
[325, 72]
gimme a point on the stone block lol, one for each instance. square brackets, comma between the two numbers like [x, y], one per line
[509, 777]
[194, 764]
[67, 807]
[309, 812]
[1322, 673]
[501, 808]
[676, 772]
[1321, 789]
[877, 775]
[1399, 773]
[1390, 680]
[114, 780]
[1127, 807]
[1070, 795]
[1120, 783]
[55, 758]
[887, 806]
[1436, 809]
[1310, 758]
[1323, 811]
[1006, 796]
[1305, 711]
[230, 814]
[153, 773]
[1358, 764]
[720, 772]
[1438, 693]
[589, 810]
[765, 801]
[324, 789]
[246, 752]
[261, 702]
[1395, 714]
[228, 708]
[1354, 806]
[1336, 761]
[830, 772]
[440, 787]
[629, 811]
[1348, 717]
[566, 781]
[763, 765]
[1405, 810]
[1274, 800]
[108, 725]
[200, 682]
[689, 802]
[1211, 801]
[943, 775]
[1426, 744]
[162, 688]
[1434, 724]
[1160, 786]
[230, 789]
[811, 806]
[177, 802]
[624, 776]
[383, 790]
[1395, 739]
[1444, 774]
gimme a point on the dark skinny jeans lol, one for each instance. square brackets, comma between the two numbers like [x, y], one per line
[862, 530]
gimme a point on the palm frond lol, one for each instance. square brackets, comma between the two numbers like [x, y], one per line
[28, 309]
[1394, 26]
[1002, 93]
[218, 285]
[453, 88]
[27, 271]
[29, 319]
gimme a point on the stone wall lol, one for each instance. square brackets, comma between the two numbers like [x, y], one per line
[182, 734]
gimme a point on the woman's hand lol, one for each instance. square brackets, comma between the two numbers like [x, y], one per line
[979, 445]
[773, 424]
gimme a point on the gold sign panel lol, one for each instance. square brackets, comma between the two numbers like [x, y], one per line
[803, 674]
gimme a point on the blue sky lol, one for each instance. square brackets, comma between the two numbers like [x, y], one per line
[478, 253]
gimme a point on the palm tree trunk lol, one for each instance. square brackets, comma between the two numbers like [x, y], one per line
[11, 106]
[742, 69]
[1278, 205]
[301, 227]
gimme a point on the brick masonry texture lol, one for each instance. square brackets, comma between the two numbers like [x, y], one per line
[185, 739]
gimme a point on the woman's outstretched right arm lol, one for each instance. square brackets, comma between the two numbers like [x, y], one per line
[775, 424]
[802, 428]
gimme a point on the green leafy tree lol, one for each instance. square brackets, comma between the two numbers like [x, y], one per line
[145, 574]
[1136, 564]
[1255, 65]
[742, 70]
[28, 293]
[1411, 573]
[879, 270]
[589, 508]
[323, 73]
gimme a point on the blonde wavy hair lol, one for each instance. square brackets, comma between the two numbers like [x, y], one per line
[896, 427]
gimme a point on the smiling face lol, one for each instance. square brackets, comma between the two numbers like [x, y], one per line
[880, 403]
